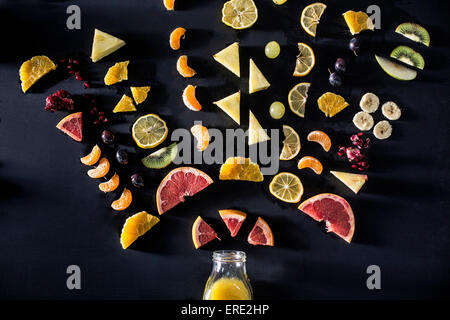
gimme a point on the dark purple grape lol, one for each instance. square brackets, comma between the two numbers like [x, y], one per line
[354, 44]
[107, 137]
[122, 156]
[335, 80]
[137, 180]
[340, 65]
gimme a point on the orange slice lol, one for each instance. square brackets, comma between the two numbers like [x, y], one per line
[312, 163]
[175, 38]
[321, 138]
[201, 134]
[117, 73]
[34, 69]
[101, 170]
[124, 201]
[331, 104]
[125, 104]
[358, 21]
[190, 99]
[136, 226]
[239, 168]
[202, 233]
[111, 184]
[140, 94]
[261, 234]
[184, 69]
[92, 157]
[169, 4]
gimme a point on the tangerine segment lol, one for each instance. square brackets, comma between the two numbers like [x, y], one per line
[101, 170]
[175, 37]
[239, 168]
[117, 73]
[135, 226]
[312, 163]
[261, 234]
[111, 184]
[184, 69]
[34, 69]
[92, 157]
[140, 93]
[321, 138]
[201, 134]
[124, 201]
[169, 4]
[190, 99]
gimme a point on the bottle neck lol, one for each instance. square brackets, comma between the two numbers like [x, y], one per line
[229, 263]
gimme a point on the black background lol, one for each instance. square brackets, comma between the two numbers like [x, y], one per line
[52, 214]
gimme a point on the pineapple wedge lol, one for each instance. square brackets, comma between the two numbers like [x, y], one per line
[229, 58]
[231, 105]
[257, 81]
[352, 180]
[256, 133]
[104, 44]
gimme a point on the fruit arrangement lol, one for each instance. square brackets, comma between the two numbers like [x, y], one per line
[150, 130]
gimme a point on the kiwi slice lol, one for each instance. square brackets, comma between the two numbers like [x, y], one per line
[409, 56]
[414, 32]
[161, 158]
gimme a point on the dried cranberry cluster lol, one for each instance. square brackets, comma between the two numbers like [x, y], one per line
[60, 100]
[354, 154]
[73, 68]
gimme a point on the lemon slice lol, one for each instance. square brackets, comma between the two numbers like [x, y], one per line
[287, 187]
[291, 143]
[149, 131]
[305, 60]
[311, 17]
[297, 98]
[239, 14]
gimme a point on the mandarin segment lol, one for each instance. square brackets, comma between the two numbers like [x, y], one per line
[34, 69]
[201, 134]
[111, 184]
[190, 100]
[175, 38]
[92, 157]
[101, 170]
[124, 201]
[183, 67]
[312, 163]
[169, 4]
[321, 138]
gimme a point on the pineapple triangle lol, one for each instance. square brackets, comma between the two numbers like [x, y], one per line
[352, 180]
[256, 133]
[104, 44]
[229, 58]
[257, 81]
[231, 105]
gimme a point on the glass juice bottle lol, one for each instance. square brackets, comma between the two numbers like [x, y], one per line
[228, 279]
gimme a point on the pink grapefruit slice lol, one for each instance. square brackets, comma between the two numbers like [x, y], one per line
[179, 183]
[233, 220]
[202, 233]
[261, 234]
[334, 210]
[72, 125]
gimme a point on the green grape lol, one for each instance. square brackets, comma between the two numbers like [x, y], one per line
[272, 49]
[277, 110]
[279, 1]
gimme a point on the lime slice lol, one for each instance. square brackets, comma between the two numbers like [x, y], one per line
[149, 131]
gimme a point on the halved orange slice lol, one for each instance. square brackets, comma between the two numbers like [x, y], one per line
[124, 201]
[140, 94]
[111, 184]
[135, 226]
[101, 170]
[92, 157]
[331, 104]
[239, 168]
[190, 99]
[321, 138]
[312, 163]
[184, 69]
[34, 69]
[175, 38]
[201, 135]
[261, 234]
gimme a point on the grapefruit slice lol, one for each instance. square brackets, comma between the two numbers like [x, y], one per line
[179, 183]
[334, 210]
[72, 125]
[202, 233]
[352, 180]
[233, 220]
[261, 234]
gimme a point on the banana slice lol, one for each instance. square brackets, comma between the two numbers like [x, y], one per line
[391, 110]
[369, 102]
[382, 130]
[363, 121]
